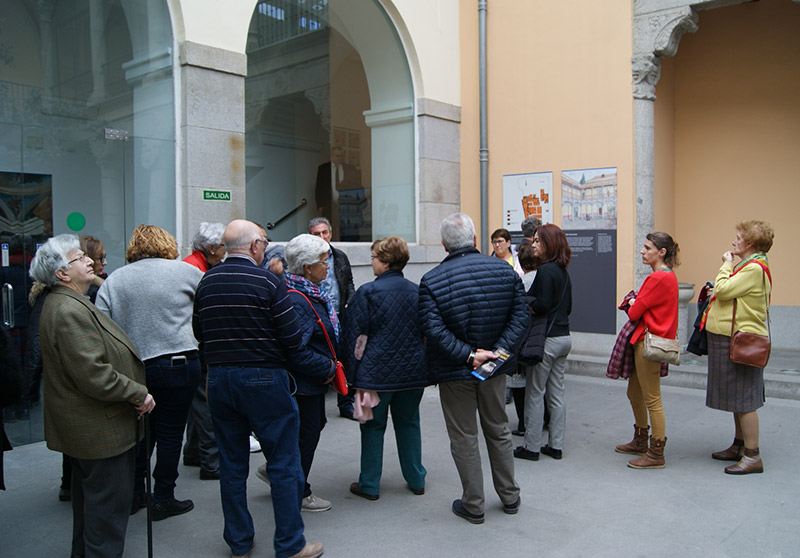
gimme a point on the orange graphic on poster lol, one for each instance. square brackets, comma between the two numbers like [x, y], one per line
[532, 204]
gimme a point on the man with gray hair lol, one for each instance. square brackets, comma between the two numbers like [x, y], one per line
[472, 309]
[339, 285]
[529, 226]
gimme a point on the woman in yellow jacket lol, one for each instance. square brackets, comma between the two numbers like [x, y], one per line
[734, 387]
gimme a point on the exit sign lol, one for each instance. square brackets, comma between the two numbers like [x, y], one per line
[217, 195]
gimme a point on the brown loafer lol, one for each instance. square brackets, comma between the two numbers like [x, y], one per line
[355, 489]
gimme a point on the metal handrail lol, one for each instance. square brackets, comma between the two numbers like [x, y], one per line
[271, 226]
[8, 305]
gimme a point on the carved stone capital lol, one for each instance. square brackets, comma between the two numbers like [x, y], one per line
[646, 71]
[320, 98]
[659, 32]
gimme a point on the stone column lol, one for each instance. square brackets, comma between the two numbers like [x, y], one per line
[439, 171]
[97, 36]
[656, 35]
[212, 155]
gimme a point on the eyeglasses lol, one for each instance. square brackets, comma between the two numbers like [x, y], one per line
[325, 263]
[499, 241]
[266, 242]
[82, 256]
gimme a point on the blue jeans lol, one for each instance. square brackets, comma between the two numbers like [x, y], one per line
[258, 400]
[172, 383]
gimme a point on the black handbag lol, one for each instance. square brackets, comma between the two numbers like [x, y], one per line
[531, 349]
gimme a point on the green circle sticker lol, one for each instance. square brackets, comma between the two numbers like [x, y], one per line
[76, 221]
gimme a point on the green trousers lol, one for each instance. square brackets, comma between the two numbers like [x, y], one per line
[404, 406]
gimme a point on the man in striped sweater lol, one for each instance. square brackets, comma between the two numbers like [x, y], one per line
[247, 328]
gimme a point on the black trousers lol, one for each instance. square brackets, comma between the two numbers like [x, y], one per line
[312, 420]
[102, 491]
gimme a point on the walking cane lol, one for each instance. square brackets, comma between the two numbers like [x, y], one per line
[145, 418]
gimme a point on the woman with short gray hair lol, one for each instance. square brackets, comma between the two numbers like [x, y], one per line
[312, 364]
[303, 250]
[93, 391]
[207, 246]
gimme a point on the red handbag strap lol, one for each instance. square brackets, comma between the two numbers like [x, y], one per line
[319, 320]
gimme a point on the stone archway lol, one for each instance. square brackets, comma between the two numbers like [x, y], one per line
[658, 27]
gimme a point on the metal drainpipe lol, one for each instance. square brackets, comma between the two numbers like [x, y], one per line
[484, 148]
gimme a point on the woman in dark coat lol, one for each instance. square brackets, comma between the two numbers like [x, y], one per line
[385, 354]
[551, 296]
[312, 364]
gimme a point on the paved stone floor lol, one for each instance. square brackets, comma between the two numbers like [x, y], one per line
[587, 505]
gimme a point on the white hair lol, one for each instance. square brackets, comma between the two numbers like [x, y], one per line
[208, 235]
[51, 257]
[457, 232]
[302, 250]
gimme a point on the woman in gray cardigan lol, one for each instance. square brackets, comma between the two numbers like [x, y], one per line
[152, 299]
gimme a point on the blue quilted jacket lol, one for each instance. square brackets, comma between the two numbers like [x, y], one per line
[467, 302]
[311, 364]
[386, 311]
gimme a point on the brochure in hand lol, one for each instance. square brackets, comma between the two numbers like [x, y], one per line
[488, 368]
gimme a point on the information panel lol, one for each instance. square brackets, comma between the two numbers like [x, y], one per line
[589, 220]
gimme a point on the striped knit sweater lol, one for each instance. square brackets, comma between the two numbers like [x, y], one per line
[243, 316]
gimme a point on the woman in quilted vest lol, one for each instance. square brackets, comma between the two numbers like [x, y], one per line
[735, 387]
[386, 361]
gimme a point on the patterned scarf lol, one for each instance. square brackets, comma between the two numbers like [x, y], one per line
[759, 258]
[316, 292]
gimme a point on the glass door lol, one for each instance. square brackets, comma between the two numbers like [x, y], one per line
[53, 181]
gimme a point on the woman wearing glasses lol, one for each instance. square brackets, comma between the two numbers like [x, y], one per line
[93, 392]
[312, 364]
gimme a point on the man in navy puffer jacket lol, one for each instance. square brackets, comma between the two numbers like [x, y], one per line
[471, 304]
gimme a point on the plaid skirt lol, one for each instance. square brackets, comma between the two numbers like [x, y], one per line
[731, 387]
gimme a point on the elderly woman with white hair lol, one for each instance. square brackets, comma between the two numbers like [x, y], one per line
[93, 392]
[312, 365]
[207, 247]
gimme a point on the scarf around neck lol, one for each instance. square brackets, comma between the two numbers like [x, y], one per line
[759, 258]
[317, 292]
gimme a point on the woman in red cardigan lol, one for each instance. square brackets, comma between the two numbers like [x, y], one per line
[656, 308]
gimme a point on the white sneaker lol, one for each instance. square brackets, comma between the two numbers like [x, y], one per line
[261, 473]
[313, 503]
[255, 447]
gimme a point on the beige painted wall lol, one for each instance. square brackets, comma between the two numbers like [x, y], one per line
[559, 98]
[732, 90]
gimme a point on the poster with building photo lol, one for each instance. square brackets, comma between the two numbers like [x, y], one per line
[526, 195]
[589, 220]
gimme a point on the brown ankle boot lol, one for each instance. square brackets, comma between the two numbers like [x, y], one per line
[749, 463]
[638, 445]
[653, 459]
[733, 453]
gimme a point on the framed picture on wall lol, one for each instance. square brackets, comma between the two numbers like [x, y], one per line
[350, 141]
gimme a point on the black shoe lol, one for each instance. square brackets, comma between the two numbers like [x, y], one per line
[346, 412]
[554, 453]
[191, 461]
[416, 491]
[355, 489]
[474, 518]
[209, 475]
[518, 432]
[511, 509]
[139, 502]
[522, 453]
[167, 508]
[65, 495]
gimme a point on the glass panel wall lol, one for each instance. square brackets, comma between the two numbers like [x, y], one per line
[309, 141]
[87, 140]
